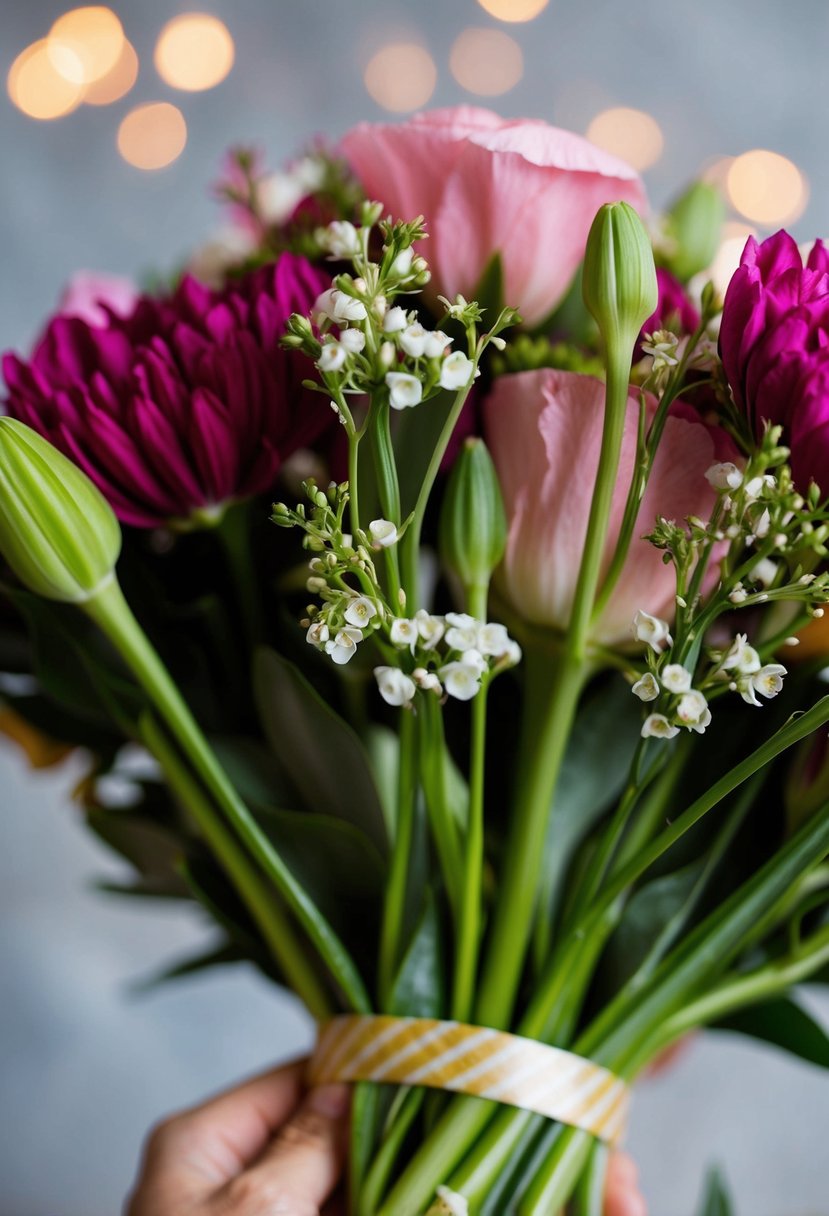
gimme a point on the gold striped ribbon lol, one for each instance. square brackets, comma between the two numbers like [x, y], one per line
[473, 1060]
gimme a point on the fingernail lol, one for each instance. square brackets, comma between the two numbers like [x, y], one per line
[332, 1101]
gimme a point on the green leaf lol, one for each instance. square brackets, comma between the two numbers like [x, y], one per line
[786, 1025]
[218, 956]
[643, 920]
[153, 850]
[585, 788]
[489, 292]
[419, 987]
[716, 1200]
[317, 750]
[415, 440]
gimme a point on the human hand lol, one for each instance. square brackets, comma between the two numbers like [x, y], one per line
[262, 1148]
[622, 1194]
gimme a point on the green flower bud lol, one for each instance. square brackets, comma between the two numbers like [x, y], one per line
[693, 226]
[57, 531]
[473, 523]
[619, 280]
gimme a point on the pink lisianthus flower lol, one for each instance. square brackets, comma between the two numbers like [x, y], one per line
[519, 188]
[774, 345]
[93, 295]
[544, 430]
[184, 406]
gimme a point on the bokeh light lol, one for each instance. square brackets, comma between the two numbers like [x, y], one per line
[715, 172]
[153, 135]
[194, 51]
[727, 257]
[487, 62]
[514, 10]
[37, 88]
[118, 80]
[402, 76]
[767, 188]
[632, 135]
[85, 43]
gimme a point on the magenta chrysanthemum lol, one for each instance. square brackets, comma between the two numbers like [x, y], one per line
[184, 406]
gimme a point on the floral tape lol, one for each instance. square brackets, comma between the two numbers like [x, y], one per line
[473, 1060]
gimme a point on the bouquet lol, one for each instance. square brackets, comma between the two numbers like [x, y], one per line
[441, 543]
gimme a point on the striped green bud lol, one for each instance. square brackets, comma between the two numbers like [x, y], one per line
[473, 523]
[57, 531]
[693, 226]
[619, 280]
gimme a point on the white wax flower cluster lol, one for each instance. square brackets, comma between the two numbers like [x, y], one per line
[470, 651]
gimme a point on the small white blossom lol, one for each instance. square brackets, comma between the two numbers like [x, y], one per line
[493, 639]
[395, 320]
[662, 346]
[456, 371]
[396, 688]
[352, 341]
[651, 629]
[692, 707]
[317, 634]
[404, 390]
[657, 726]
[427, 680]
[675, 678]
[436, 344]
[402, 264]
[761, 528]
[340, 239]
[768, 681]
[388, 355]
[475, 661]
[764, 571]
[277, 196]
[739, 594]
[462, 633]
[450, 1203]
[724, 476]
[332, 357]
[755, 487]
[343, 646]
[413, 340]
[430, 628]
[360, 611]
[513, 654]
[335, 305]
[741, 657]
[460, 681]
[403, 632]
[646, 687]
[383, 532]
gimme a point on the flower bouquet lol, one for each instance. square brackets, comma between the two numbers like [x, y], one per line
[438, 545]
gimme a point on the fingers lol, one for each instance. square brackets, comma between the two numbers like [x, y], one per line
[622, 1194]
[301, 1167]
[211, 1143]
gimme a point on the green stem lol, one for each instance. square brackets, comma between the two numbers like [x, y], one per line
[353, 481]
[114, 617]
[469, 926]
[233, 533]
[434, 759]
[395, 899]
[386, 1155]
[257, 895]
[411, 540]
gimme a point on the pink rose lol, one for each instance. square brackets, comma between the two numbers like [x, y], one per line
[89, 294]
[486, 185]
[544, 430]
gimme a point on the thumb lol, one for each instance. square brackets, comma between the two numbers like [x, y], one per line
[302, 1165]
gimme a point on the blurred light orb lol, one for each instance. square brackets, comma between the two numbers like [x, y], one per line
[37, 88]
[766, 187]
[716, 171]
[727, 257]
[514, 10]
[85, 43]
[401, 76]
[487, 62]
[632, 135]
[152, 136]
[118, 80]
[194, 51]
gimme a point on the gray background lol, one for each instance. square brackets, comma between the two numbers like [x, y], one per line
[86, 1063]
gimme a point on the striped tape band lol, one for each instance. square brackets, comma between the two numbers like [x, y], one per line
[473, 1060]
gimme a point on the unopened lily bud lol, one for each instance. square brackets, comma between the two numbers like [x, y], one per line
[619, 281]
[694, 224]
[473, 523]
[57, 531]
